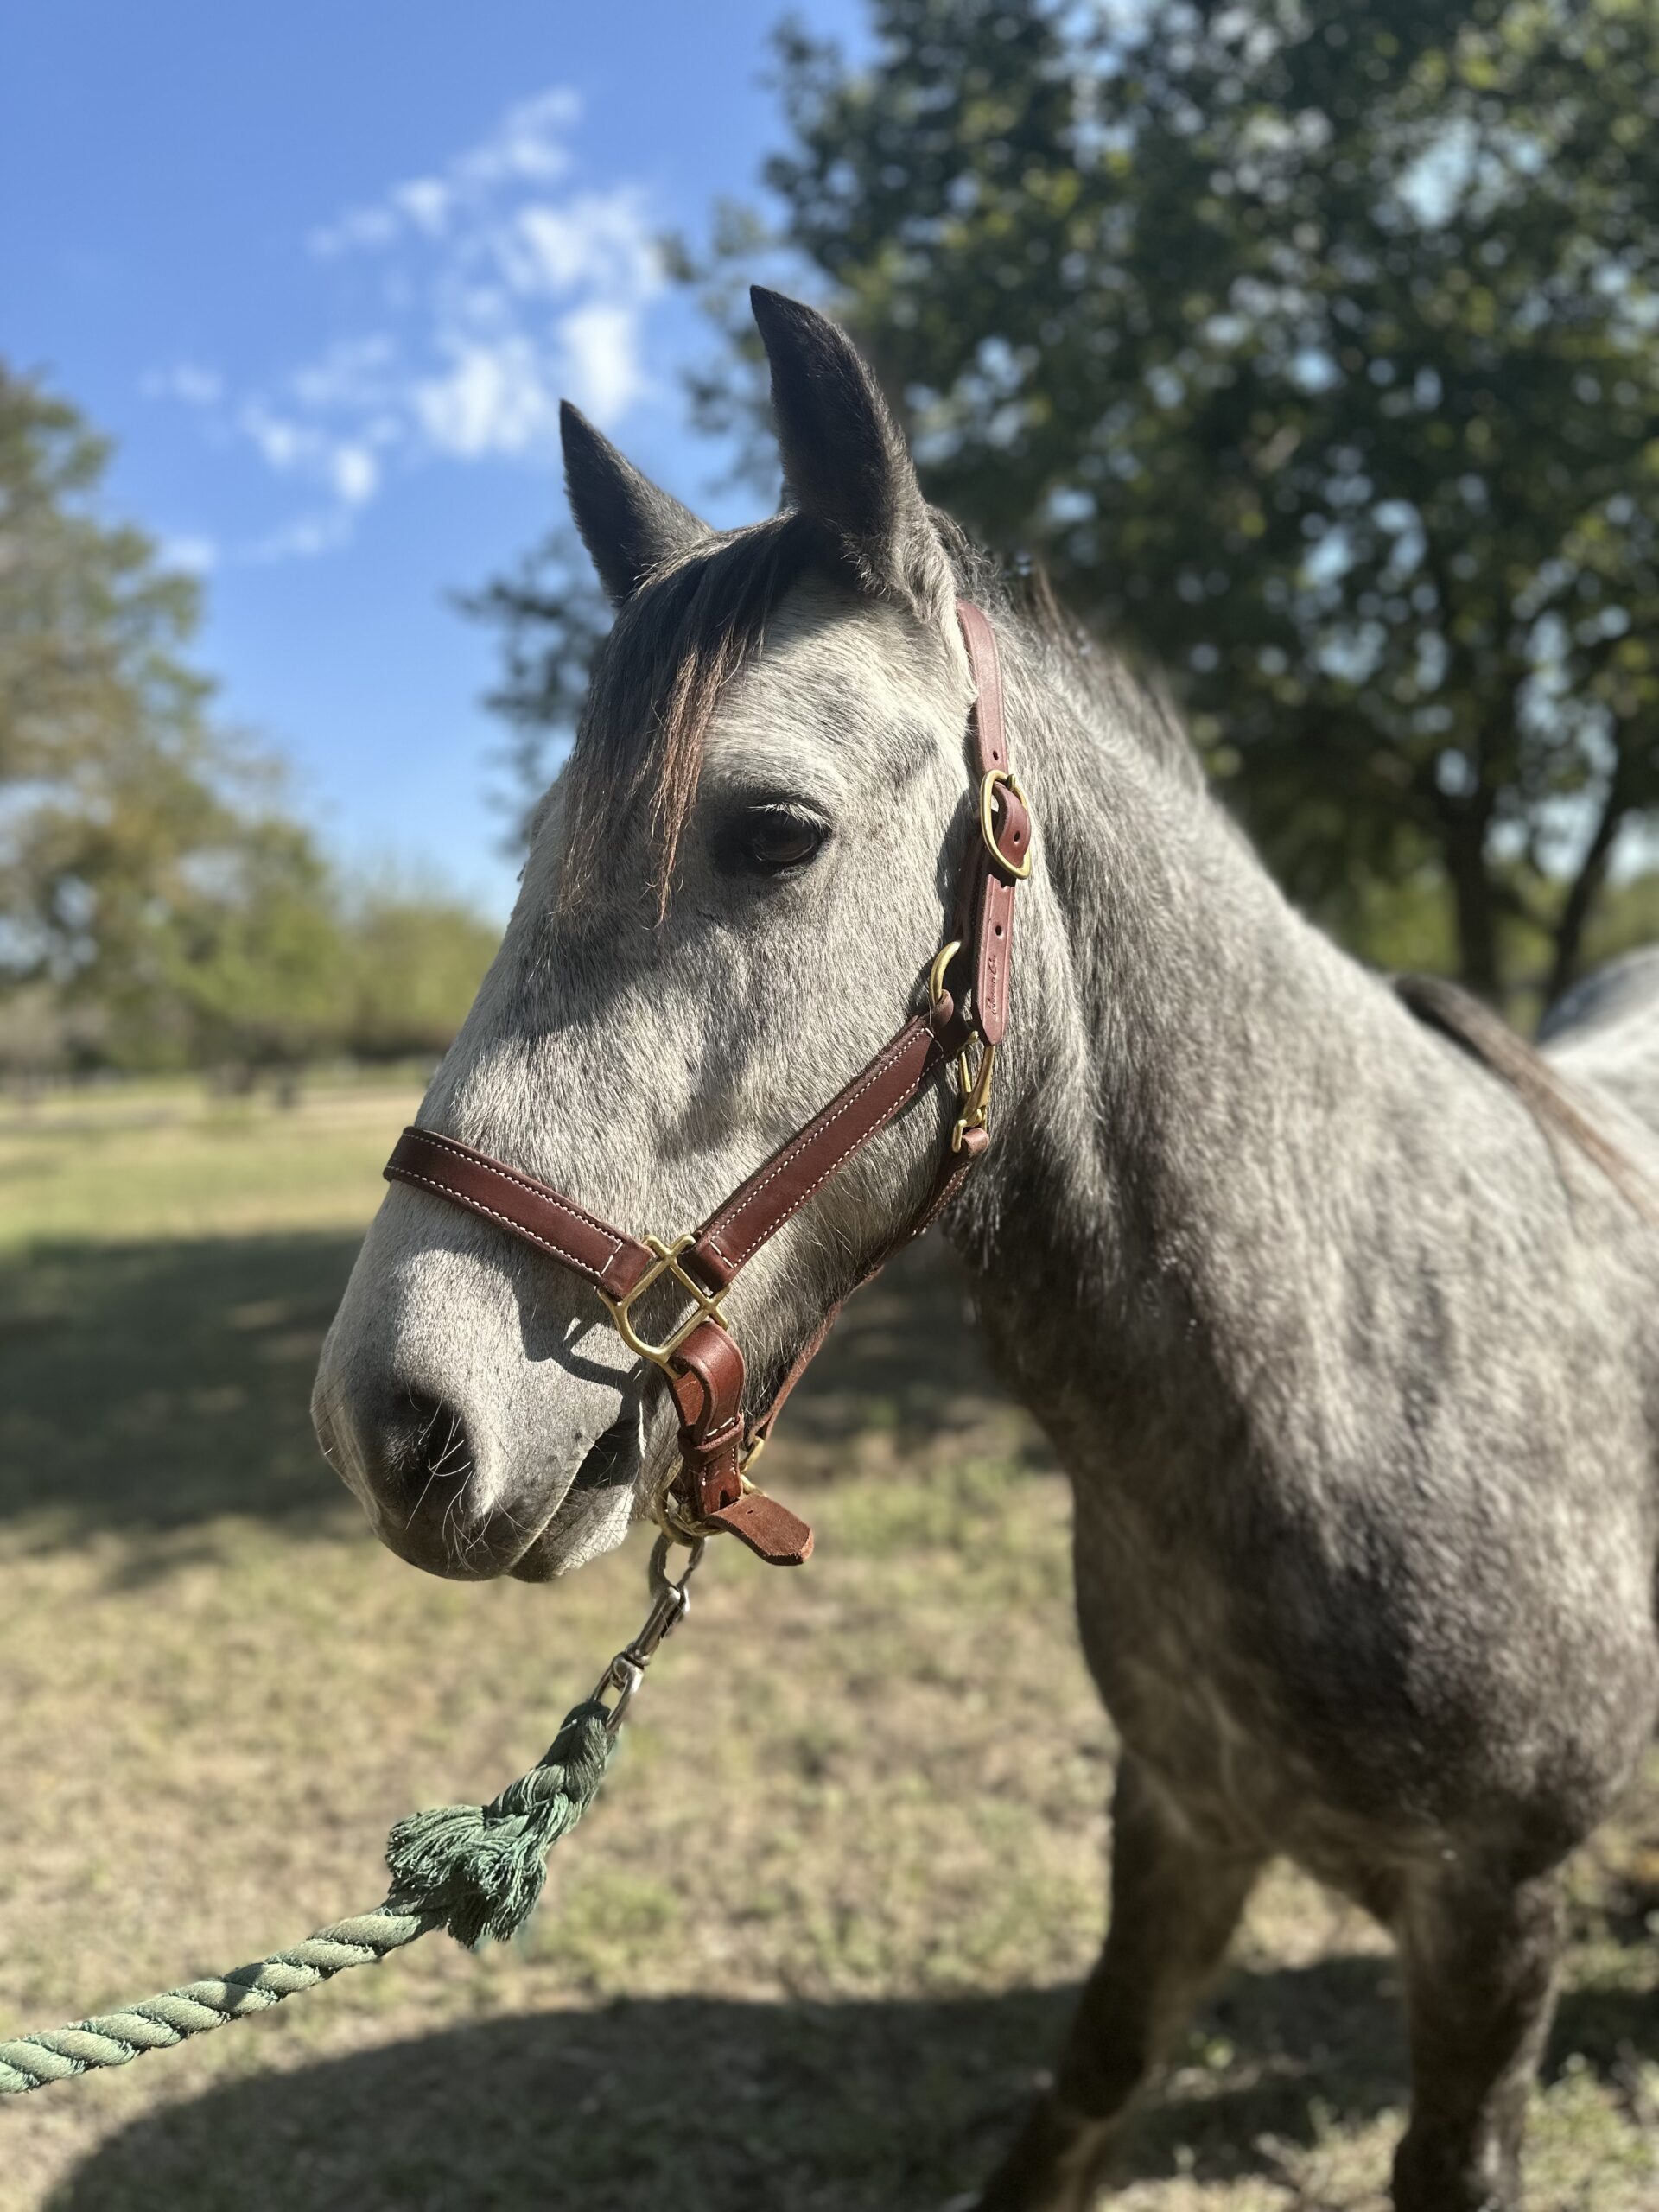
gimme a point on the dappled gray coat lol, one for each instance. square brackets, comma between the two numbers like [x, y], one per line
[1341, 1321]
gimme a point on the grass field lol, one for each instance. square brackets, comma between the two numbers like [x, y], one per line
[822, 1931]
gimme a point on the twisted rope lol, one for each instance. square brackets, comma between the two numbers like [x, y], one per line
[474, 1870]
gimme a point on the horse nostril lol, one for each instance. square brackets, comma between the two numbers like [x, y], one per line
[425, 1455]
[426, 1496]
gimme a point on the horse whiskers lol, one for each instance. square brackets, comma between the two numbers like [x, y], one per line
[431, 1477]
[329, 1401]
[455, 1440]
[432, 1418]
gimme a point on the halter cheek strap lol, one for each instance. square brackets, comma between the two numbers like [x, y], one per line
[699, 1355]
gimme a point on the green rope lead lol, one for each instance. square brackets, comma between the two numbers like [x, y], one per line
[474, 1869]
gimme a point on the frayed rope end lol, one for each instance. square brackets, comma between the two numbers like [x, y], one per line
[481, 1868]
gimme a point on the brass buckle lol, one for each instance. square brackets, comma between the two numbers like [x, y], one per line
[674, 1518]
[986, 830]
[936, 974]
[973, 1083]
[973, 1089]
[706, 1308]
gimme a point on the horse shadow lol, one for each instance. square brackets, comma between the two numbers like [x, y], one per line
[709, 2106]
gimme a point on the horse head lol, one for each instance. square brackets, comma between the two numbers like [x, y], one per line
[730, 899]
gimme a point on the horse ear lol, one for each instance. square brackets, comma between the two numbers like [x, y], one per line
[845, 460]
[628, 525]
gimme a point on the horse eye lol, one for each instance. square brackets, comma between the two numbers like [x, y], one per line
[776, 838]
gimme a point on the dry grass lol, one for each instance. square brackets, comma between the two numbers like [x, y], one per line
[817, 1939]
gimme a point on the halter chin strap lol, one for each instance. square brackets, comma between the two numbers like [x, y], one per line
[699, 1355]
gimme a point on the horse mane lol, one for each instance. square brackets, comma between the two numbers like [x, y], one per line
[1553, 1101]
[1130, 698]
[691, 626]
[689, 629]
[675, 645]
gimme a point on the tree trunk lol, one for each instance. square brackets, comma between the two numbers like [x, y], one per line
[1581, 896]
[1473, 904]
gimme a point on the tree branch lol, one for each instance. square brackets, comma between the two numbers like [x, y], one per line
[1581, 894]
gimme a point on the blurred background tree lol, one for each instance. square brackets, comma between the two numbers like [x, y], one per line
[1310, 346]
[550, 616]
[414, 955]
[159, 905]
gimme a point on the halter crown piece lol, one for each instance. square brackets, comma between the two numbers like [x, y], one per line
[961, 1030]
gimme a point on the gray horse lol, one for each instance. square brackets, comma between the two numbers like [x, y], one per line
[1340, 1319]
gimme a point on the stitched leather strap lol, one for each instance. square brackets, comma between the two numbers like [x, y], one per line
[708, 1389]
[953, 1173]
[775, 1193]
[608, 1258]
[986, 915]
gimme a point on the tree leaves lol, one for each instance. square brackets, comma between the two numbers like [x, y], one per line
[158, 906]
[1312, 347]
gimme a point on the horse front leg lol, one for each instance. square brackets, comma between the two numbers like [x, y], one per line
[1175, 1903]
[1480, 1953]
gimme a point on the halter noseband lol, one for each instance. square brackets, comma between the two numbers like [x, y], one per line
[699, 1356]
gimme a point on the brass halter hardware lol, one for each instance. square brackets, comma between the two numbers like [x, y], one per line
[942, 960]
[706, 1308]
[973, 1083]
[988, 791]
[973, 1089]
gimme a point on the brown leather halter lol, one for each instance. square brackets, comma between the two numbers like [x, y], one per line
[699, 1356]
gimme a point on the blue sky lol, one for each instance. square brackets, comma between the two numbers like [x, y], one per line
[323, 272]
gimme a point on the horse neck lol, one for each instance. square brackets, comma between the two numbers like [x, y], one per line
[1200, 1097]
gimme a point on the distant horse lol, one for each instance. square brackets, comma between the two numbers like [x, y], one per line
[1340, 1313]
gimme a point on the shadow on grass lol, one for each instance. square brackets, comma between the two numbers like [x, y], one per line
[705, 2106]
[712, 2106]
[715, 2107]
[144, 1387]
[147, 1387]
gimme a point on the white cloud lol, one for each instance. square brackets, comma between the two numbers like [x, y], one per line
[353, 372]
[301, 539]
[528, 143]
[426, 201]
[599, 239]
[187, 381]
[527, 147]
[496, 285]
[357, 227]
[602, 350]
[356, 473]
[190, 552]
[493, 398]
[282, 444]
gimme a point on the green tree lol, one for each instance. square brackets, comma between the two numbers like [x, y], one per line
[414, 955]
[159, 907]
[103, 742]
[1313, 347]
[246, 968]
[551, 616]
[150, 889]
[92, 630]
